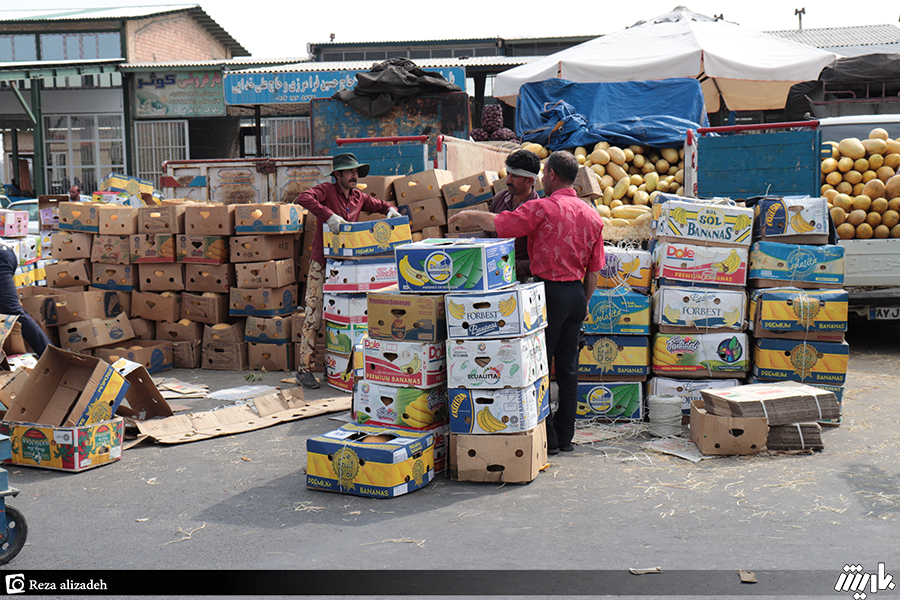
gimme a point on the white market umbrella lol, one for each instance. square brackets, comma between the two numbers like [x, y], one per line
[751, 70]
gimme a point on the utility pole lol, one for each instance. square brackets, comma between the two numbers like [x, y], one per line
[800, 12]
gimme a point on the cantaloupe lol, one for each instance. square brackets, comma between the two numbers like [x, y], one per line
[892, 187]
[881, 232]
[838, 216]
[874, 189]
[879, 205]
[856, 217]
[862, 202]
[864, 231]
[873, 219]
[846, 231]
[875, 145]
[890, 218]
[878, 134]
[852, 147]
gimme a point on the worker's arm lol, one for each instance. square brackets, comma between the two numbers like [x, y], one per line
[313, 200]
[590, 284]
[485, 220]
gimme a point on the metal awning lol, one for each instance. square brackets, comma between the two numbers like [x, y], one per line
[19, 71]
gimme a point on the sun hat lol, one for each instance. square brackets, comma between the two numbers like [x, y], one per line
[344, 162]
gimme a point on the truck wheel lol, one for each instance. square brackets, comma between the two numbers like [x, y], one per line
[16, 532]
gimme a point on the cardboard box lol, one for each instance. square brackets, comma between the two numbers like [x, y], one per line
[115, 277]
[164, 306]
[409, 317]
[460, 228]
[428, 212]
[792, 220]
[13, 223]
[471, 190]
[725, 436]
[143, 329]
[204, 308]
[143, 400]
[343, 338]
[503, 411]
[266, 274]
[117, 220]
[153, 355]
[179, 331]
[615, 357]
[48, 210]
[496, 363]
[514, 311]
[268, 330]
[451, 265]
[225, 333]
[79, 216]
[269, 357]
[687, 389]
[717, 222]
[71, 449]
[92, 333]
[622, 400]
[68, 273]
[201, 249]
[346, 308]
[167, 218]
[405, 364]
[257, 248]
[618, 311]
[513, 458]
[780, 403]
[209, 219]
[587, 184]
[680, 264]
[161, 277]
[359, 275]
[364, 239]
[698, 309]
[187, 354]
[68, 390]
[263, 302]
[792, 313]
[153, 248]
[796, 360]
[71, 245]
[209, 278]
[71, 308]
[626, 266]
[225, 357]
[29, 249]
[339, 371]
[369, 461]
[418, 186]
[268, 217]
[379, 186]
[117, 182]
[702, 355]
[111, 249]
[377, 404]
[809, 267]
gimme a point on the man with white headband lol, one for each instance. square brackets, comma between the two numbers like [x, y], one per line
[522, 169]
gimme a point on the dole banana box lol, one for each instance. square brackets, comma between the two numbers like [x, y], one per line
[449, 265]
[72, 449]
[687, 389]
[794, 313]
[377, 404]
[805, 361]
[405, 364]
[410, 317]
[201, 249]
[618, 311]
[704, 355]
[610, 400]
[680, 263]
[792, 220]
[496, 363]
[376, 462]
[268, 217]
[507, 410]
[346, 308]
[809, 267]
[697, 309]
[367, 238]
[618, 357]
[713, 223]
[510, 312]
[343, 338]
[471, 190]
[263, 302]
[626, 266]
[359, 275]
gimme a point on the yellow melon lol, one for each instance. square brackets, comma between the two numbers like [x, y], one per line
[882, 232]
[873, 219]
[829, 194]
[878, 134]
[895, 231]
[852, 147]
[838, 216]
[890, 218]
[855, 217]
[894, 204]
[885, 173]
[876, 161]
[844, 187]
[852, 177]
[845, 163]
[862, 202]
[874, 146]
[864, 231]
[843, 201]
[874, 189]
[892, 187]
[892, 161]
[879, 205]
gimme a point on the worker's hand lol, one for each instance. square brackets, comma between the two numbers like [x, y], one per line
[334, 221]
[393, 213]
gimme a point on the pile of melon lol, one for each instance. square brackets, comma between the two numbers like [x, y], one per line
[862, 186]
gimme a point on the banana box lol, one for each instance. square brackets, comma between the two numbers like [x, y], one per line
[470, 191]
[268, 330]
[72, 449]
[339, 372]
[511, 458]
[345, 308]
[343, 337]
[405, 364]
[687, 389]
[701, 355]
[794, 313]
[359, 275]
[263, 302]
[514, 311]
[376, 462]
[201, 249]
[152, 248]
[773, 264]
[268, 217]
[366, 238]
[496, 363]
[805, 361]
[615, 357]
[707, 222]
[698, 309]
[449, 265]
[618, 311]
[610, 400]
[79, 216]
[410, 317]
[507, 410]
[376, 404]
[792, 220]
[626, 266]
[680, 264]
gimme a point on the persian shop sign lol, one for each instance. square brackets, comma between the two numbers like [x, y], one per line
[181, 94]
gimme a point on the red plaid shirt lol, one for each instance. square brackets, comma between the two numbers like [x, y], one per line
[565, 235]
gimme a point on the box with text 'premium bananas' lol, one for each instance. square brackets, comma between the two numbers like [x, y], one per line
[366, 238]
[449, 265]
[620, 400]
[793, 313]
[377, 404]
[773, 264]
[618, 311]
[805, 361]
[699, 310]
[615, 357]
[405, 364]
[792, 220]
[507, 410]
[496, 363]
[514, 311]
[377, 462]
[701, 355]
[705, 222]
[690, 264]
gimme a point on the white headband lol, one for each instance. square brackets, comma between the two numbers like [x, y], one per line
[521, 173]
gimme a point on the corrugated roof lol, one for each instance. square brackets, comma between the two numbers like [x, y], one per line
[425, 63]
[329, 45]
[838, 37]
[244, 62]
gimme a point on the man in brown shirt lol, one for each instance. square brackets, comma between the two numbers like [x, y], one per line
[522, 169]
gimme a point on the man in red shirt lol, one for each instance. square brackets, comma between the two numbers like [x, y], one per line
[565, 244]
[331, 203]
[522, 168]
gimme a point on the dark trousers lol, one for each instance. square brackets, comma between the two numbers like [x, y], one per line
[9, 302]
[566, 309]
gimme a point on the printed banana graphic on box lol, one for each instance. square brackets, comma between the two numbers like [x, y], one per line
[379, 404]
[698, 309]
[708, 222]
[793, 313]
[511, 312]
[680, 263]
[508, 410]
[407, 364]
[701, 354]
[792, 219]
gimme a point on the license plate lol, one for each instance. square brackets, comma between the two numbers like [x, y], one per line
[884, 313]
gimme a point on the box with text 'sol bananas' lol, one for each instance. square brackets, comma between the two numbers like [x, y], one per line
[773, 264]
[792, 313]
[377, 404]
[698, 309]
[366, 238]
[507, 410]
[370, 461]
[449, 265]
[704, 355]
[514, 311]
[493, 364]
[705, 222]
[792, 220]
[626, 266]
[618, 311]
[615, 357]
[805, 361]
[610, 400]
[405, 364]
[680, 264]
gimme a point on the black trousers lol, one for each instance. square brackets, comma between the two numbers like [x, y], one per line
[10, 305]
[566, 309]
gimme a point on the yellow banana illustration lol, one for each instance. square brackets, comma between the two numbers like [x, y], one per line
[456, 403]
[800, 224]
[742, 222]
[458, 311]
[411, 275]
[416, 417]
[672, 314]
[413, 366]
[732, 317]
[507, 306]
[730, 264]
[488, 422]
[680, 216]
[630, 267]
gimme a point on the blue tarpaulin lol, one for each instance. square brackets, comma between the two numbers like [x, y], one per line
[558, 113]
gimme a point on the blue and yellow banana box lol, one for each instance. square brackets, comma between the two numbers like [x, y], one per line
[618, 357]
[610, 400]
[71, 449]
[117, 182]
[698, 309]
[378, 404]
[507, 410]
[794, 313]
[268, 217]
[809, 362]
[378, 462]
[450, 265]
[792, 220]
[618, 311]
[809, 267]
[79, 216]
[514, 311]
[366, 238]
[718, 222]
[340, 337]
[701, 355]
[626, 266]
